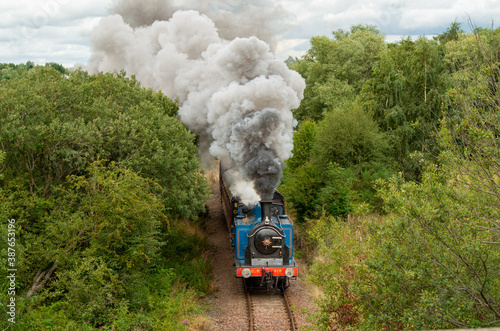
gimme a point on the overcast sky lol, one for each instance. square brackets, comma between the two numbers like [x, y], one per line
[59, 30]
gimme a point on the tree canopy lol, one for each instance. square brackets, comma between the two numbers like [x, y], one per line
[423, 126]
[96, 171]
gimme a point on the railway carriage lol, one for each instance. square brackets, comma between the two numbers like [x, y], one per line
[262, 239]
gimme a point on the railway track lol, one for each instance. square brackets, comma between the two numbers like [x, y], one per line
[268, 311]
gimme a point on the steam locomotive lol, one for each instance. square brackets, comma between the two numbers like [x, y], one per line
[262, 238]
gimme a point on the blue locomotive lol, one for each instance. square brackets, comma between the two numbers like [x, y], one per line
[262, 238]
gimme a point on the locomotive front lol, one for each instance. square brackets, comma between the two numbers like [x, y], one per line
[262, 237]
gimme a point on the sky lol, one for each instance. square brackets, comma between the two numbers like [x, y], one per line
[59, 30]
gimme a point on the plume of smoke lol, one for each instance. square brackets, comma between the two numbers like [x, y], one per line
[242, 188]
[233, 18]
[143, 13]
[232, 92]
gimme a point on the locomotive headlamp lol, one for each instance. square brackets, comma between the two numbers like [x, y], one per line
[289, 272]
[247, 273]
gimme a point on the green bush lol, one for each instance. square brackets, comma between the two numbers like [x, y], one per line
[188, 254]
[348, 137]
[429, 265]
[334, 166]
[342, 248]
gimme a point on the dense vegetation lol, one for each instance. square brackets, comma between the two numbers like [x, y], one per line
[404, 138]
[100, 178]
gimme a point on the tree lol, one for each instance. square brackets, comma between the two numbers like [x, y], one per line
[336, 69]
[348, 138]
[303, 145]
[57, 66]
[452, 33]
[300, 180]
[334, 164]
[351, 140]
[54, 126]
[406, 96]
[13, 71]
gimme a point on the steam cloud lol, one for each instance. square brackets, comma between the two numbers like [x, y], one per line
[231, 90]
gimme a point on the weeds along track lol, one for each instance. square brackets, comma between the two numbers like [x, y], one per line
[268, 311]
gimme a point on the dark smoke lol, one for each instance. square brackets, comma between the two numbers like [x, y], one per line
[266, 170]
[259, 162]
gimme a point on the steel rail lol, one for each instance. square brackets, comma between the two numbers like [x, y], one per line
[251, 310]
[290, 314]
[249, 303]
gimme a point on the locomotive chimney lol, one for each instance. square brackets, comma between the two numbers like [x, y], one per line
[265, 206]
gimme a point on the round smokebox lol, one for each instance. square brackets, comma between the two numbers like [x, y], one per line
[264, 241]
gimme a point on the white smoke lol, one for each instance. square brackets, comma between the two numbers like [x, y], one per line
[231, 91]
[233, 18]
[242, 188]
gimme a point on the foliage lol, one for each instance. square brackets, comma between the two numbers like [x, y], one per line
[311, 192]
[334, 165]
[187, 252]
[291, 60]
[57, 66]
[466, 56]
[301, 190]
[336, 69]
[342, 248]
[303, 144]
[348, 138]
[171, 307]
[14, 71]
[103, 233]
[2, 166]
[440, 256]
[407, 93]
[406, 96]
[378, 107]
[334, 196]
[434, 261]
[336, 136]
[452, 33]
[427, 267]
[95, 171]
[55, 126]
[311, 189]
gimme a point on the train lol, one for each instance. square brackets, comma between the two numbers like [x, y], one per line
[261, 237]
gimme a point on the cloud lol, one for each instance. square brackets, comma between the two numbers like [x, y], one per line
[65, 44]
[435, 17]
[292, 47]
[48, 30]
[394, 18]
[399, 17]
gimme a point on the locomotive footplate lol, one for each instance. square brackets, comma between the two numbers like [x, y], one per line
[273, 278]
[247, 271]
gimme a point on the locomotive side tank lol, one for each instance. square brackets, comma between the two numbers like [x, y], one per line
[262, 238]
